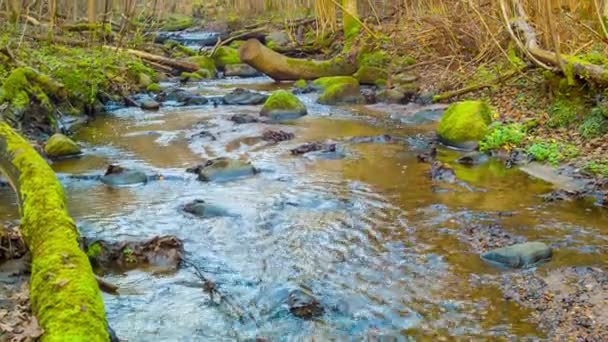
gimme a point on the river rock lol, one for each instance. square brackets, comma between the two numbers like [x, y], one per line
[338, 90]
[205, 63]
[161, 254]
[61, 146]
[243, 119]
[277, 136]
[150, 104]
[240, 70]
[283, 105]
[118, 176]
[223, 169]
[464, 124]
[441, 172]
[183, 97]
[277, 39]
[370, 75]
[244, 97]
[203, 209]
[314, 147]
[522, 255]
[473, 158]
[304, 305]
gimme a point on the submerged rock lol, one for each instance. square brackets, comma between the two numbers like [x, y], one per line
[203, 209]
[162, 253]
[304, 305]
[521, 255]
[244, 97]
[464, 124]
[442, 172]
[473, 158]
[222, 169]
[427, 157]
[61, 146]
[240, 70]
[118, 176]
[243, 119]
[314, 147]
[283, 105]
[277, 136]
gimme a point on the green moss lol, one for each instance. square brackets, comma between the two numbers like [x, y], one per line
[94, 250]
[369, 74]
[177, 22]
[282, 101]
[204, 62]
[597, 168]
[154, 88]
[326, 82]
[63, 291]
[225, 55]
[178, 50]
[25, 83]
[190, 76]
[465, 122]
[301, 84]
[59, 145]
[378, 58]
[236, 44]
[341, 93]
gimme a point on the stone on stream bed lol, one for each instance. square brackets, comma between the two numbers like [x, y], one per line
[244, 97]
[203, 209]
[523, 255]
[182, 97]
[240, 119]
[61, 146]
[304, 305]
[160, 254]
[118, 176]
[277, 136]
[223, 169]
[464, 124]
[283, 105]
[314, 147]
[371, 75]
[473, 158]
[240, 70]
[338, 90]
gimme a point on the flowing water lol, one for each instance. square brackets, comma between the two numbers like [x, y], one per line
[366, 231]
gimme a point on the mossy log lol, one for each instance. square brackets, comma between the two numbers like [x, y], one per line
[282, 68]
[570, 65]
[64, 294]
[183, 66]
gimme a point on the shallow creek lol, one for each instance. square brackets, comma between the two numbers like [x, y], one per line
[369, 234]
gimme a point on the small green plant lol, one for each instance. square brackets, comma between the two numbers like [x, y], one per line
[564, 112]
[594, 125]
[552, 152]
[128, 255]
[597, 168]
[505, 136]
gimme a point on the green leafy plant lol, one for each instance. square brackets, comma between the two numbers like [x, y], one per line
[594, 125]
[597, 168]
[502, 135]
[564, 112]
[552, 152]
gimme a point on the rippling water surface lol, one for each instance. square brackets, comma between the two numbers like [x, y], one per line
[368, 234]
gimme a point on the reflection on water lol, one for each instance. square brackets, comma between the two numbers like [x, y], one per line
[366, 233]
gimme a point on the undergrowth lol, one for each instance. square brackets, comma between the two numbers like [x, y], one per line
[503, 136]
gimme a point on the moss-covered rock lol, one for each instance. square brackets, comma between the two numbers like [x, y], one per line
[144, 80]
[300, 84]
[154, 88]
[240, 70]
[225, 55]
[178, 22]
[370, 75]
[326, 82]
[283, 105]
[191, 77]
[60, 146]
[204, 62]
[465, 123]
[341, 93]
[378, 58]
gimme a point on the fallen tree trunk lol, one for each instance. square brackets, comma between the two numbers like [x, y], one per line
[175, 64]
[64, 294]
[572, 66]
[283, 68]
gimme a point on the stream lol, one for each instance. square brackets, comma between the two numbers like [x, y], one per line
[365, 230]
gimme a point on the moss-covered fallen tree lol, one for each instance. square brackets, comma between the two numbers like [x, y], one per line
[282, 68]
[64, 294]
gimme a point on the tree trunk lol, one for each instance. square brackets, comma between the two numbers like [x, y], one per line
[572, 66]
[175, 64]
[282, 68]
[91, 11]
[15, 9]
[350, 19]
[64, 294]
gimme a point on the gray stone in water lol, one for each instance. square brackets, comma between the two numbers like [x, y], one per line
[240, 70]
[522, 255]
[223, 169]
[118, 176]
[205, 210]
[150, 105]
[304, 305]
[473, 158]
[241, 96]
